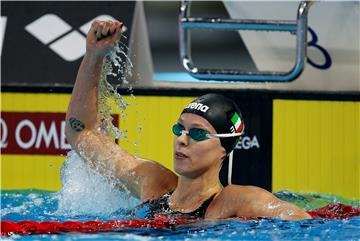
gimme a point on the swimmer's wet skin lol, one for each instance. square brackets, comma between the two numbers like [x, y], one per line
[197, 160]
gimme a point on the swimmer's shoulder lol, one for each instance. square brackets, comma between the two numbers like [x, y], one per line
[242, 192]
[252, 202]
[237, 200]
[156, 180]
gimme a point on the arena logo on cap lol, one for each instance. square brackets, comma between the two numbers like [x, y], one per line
[198, 106]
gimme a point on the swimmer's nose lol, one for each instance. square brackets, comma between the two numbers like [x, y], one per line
[183, 139]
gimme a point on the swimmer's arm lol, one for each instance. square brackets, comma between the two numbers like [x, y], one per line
[268, 205]
[252, 202]
[81, 118]
[82, 123]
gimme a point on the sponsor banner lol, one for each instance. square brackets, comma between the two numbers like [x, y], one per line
[46, 44]
[37, 133]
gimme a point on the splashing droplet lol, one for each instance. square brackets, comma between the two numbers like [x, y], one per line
[118, 65]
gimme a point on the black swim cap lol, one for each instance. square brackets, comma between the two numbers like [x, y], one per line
[222, 113]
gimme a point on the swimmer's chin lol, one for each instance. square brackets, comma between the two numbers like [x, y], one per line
[180, 168]
[186, 169]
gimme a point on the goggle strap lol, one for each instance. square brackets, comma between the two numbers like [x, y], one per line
[230, 167]
[225, 135]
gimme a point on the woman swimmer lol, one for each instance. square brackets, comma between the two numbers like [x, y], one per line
[198, 151]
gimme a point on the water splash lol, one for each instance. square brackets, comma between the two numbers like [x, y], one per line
[85, 191]
[118, 65]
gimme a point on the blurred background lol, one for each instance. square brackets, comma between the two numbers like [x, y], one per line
[210, 48]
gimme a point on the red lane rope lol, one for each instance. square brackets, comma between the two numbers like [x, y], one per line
[33, 227]
[335, 211]
[332, 210]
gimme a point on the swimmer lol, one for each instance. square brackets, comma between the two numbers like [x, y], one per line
[200, 146]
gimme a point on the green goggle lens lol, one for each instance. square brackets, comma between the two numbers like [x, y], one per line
[195, 133]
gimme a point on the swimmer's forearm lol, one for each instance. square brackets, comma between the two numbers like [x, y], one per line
[84, 99]
[279, 209]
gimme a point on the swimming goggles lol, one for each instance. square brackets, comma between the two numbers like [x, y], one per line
[198, 134]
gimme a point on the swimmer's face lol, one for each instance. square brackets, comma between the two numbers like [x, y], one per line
[193, 158]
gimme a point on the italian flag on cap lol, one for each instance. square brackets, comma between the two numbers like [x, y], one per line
[236, 120]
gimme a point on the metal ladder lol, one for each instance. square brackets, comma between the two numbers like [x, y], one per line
[299, 27]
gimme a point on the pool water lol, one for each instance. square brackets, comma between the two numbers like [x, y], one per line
[85, 195]
[44, 206]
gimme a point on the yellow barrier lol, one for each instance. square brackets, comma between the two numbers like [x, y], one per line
[148, 123]
[316, 147]
[32, 171]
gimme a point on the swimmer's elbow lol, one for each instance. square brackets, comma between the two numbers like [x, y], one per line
[305, 216]
[280, 209]
[298, 216]
[70, 135]
[302, 214]
[75, 130]
[73, 137]
[293, 212]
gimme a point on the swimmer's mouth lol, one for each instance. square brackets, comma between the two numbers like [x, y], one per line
[180, 155]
